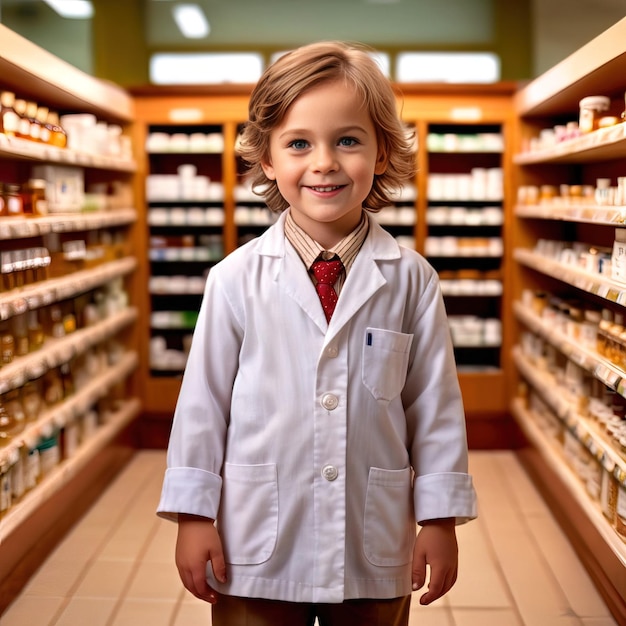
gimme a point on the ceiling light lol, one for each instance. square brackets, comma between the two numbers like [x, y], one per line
[74, 9]
[191, 20]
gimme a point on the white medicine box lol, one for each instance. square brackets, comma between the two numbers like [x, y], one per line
[65, 187]
[618, 257]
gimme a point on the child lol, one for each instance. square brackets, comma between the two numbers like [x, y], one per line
[306, 443]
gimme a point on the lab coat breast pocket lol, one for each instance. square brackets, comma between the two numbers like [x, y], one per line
[385, 362]
[389, 525]
[248, 519]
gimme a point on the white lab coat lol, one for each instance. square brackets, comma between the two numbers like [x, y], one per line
[317, 446]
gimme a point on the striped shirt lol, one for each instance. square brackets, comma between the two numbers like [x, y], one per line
[309, 250]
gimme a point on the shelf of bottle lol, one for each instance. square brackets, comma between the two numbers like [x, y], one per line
[565, 408]
[588, 213]
[471, 288]
[16, 148]
[56, 351]
[33, 296]
[604, 144]
[78, 404]
[552, 455]
[23, 227]
[69, 468]
[590, 360]
[593, 283]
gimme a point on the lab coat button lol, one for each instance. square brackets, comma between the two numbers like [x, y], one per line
[330, 472]
[329, 401]
[332, 352]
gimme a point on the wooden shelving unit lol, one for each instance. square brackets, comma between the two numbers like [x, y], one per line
[465, 110]
[596, 69]
[38, 515]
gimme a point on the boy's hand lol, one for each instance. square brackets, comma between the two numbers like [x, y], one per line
[436, 546]
[198, 543]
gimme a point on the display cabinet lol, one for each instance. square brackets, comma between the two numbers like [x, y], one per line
[68, 388]
[185, 235]
[569, 293]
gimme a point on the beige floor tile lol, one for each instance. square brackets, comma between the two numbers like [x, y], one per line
[489, 617]
[479, 582]
[573, 579]
[160, 548]
[136, 612]
[432, 615]
[106, 579]
[58, 578]
[598, 621]
[159, 581]
[83, 611]
[196, 613]
[25, 611]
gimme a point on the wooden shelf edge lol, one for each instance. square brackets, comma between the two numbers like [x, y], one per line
[56, 82]
[570, 481]
[598, 64]
[68, 469]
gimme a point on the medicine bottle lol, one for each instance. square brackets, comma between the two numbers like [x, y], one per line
[591, 109]
[58, 136]
[8, 117]
[34, 197]
[12, 200]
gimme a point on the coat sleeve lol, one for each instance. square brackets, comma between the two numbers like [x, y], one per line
[435, 416]
[192, 482]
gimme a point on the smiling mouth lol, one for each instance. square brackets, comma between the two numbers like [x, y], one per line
[326, 188]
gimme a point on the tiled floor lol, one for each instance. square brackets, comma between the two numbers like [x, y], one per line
[116, 567]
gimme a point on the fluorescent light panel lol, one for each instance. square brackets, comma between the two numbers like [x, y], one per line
[191, 20]
[73, 9]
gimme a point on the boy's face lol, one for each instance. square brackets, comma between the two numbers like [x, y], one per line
[323, 157]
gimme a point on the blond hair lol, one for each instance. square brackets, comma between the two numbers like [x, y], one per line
[309, 66]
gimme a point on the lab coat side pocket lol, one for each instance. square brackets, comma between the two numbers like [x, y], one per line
[248, 518]
[385, 362]
[389, 524]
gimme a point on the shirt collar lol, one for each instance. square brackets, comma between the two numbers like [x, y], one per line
[309, 250]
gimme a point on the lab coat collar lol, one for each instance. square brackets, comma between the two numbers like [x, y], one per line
[363, 281]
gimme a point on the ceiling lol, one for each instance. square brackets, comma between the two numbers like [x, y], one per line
[268, 25]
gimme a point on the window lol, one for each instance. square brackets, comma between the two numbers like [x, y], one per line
[447, 67]
[205, 68]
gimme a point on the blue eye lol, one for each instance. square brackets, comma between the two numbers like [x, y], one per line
[348, 141]
[298, 144]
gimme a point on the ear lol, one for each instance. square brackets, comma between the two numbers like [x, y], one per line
[381, 163]
[268, 170]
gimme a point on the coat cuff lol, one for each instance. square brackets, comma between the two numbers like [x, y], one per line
[443, 495]
[189, 490]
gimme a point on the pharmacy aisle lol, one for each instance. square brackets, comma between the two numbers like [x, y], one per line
[116, 567]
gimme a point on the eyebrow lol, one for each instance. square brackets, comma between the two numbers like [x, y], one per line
[340, 131]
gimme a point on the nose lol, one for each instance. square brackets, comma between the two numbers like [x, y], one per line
[324, 159]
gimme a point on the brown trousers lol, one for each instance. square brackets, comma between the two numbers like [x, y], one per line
[235, 611]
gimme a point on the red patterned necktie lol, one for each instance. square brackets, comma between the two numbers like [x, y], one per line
[326, 274]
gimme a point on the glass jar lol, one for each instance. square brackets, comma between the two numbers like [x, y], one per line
[591, 108]
[12, 200]
[34, 197]
[8, 117]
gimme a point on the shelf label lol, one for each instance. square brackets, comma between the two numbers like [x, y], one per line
[185, 115]
[466, 114]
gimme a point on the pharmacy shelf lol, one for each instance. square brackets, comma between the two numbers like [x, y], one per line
[22, 149]
[585, 431]
[30, 69]
[22, 227]
[601, 145]
[590, 360]
[78, 404]
[586, 214]
[553, 457]
[57, 351]
[18, 301]
[68, 469]
[592, 283]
